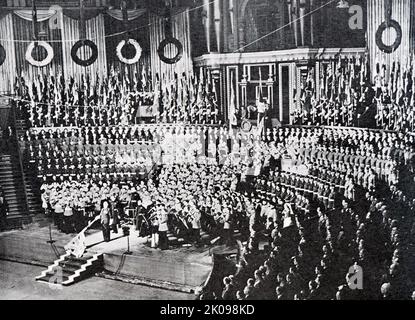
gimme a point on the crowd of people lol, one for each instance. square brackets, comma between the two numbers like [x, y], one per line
[119, 99]
[123, 152]
[128, 151]
[51, 101]
[188, 99]
[73, 204]
[363, 154]
[318, 259]
[340, 93]
[182, 200]
[334, 95]
[349, 214]
[320, 232]
[344, 94]
[305, 202]
[395, 96]
[331, 201]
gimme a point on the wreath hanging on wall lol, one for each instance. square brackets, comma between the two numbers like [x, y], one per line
[379, 33]
[39, 63]
[164, 44]
[137, 48]
[84, 62]
[2, 55]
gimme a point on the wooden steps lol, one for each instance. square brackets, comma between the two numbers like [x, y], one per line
[34, 202]
[69, 269]
[12, 184]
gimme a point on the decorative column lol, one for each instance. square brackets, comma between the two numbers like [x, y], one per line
[312, 23]
[270, 86]
[206, 22]
[294, 17]
[217, 83]
[303, 11]
[218, 24]
[226, 24]
[244, 85]
[241, 31]
[34, 21]
[296, 88]
[317, 80]
[231, 9]
[82, 25]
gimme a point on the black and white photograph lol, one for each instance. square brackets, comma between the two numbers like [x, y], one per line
[217, 152]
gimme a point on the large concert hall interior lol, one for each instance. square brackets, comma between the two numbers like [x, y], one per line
[207, 149]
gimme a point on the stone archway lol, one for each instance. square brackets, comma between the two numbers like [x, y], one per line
[242, 8]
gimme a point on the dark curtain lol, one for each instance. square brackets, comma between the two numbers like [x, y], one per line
[335, 22]
[261, 18]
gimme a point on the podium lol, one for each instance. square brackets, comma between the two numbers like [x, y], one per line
[145, 112]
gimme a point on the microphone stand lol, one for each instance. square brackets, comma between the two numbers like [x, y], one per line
[128, 252]
[50, 241]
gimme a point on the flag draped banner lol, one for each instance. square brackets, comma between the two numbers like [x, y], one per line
[23, 30]
[140, 35]
[401, 11]
[95, 31]
[180, 31]
[232, 106]
[42, 15]
[7, 69]
[132, 14]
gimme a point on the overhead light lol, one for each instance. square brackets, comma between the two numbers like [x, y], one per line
[343, 4]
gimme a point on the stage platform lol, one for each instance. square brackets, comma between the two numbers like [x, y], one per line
[30, 244]
[179, 268]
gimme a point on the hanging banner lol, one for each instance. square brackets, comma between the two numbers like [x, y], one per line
[132, 14]
[34, 21]
[41, 15]
[389, 23]
[55, 21]
[82, 28]
[124, 15]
